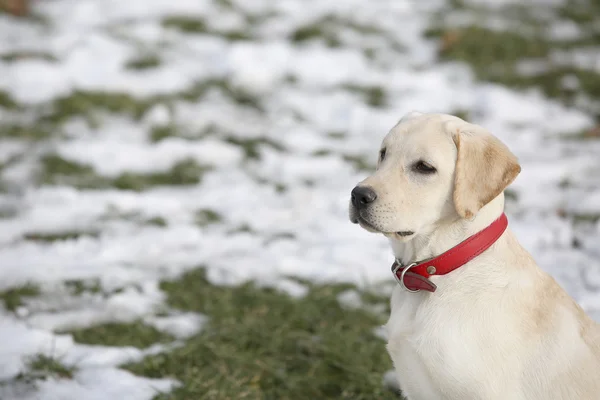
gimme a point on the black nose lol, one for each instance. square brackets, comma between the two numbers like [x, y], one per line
[362, 195]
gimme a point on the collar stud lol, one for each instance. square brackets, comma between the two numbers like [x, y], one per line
[431, 270]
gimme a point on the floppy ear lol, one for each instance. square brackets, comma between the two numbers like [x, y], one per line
[484, 168]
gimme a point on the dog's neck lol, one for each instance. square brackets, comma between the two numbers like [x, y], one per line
[446, 234]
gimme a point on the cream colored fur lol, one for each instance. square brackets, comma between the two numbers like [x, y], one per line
[497, 328]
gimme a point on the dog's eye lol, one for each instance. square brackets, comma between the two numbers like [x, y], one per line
[382, 154]
[423, 168]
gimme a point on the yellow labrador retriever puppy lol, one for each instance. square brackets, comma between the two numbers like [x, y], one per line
[473, 316]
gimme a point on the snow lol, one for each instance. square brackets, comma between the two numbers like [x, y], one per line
[94, 384]
[302, 231]
[181, 325]
[350, 298]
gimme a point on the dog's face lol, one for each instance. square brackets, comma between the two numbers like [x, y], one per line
[431, 167]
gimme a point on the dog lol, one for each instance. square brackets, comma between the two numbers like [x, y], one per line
[472, 317]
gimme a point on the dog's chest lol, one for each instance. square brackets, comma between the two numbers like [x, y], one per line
[402, 327]
[427, 349]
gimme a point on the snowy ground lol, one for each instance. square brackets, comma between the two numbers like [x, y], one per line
[142, 139]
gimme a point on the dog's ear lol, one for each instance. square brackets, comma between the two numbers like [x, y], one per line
[484, 168]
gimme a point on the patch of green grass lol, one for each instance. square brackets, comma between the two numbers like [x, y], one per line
[236, 35]
[565, 183]
[496, 55]
[280, 188]
[321, 153]
[236, 94]
[88, 103]
[186, 24]
[280, 236]
[581, 12]
[291, 79]
[13, 298]
[77, 286]
[169, 130]
[156, 221]
[239, 96]
[57, 236]
[374, 96]
[587, 134]
[551, 82]
[161, 132]
[41, 367]
[143, 62]
[251, 146]
[244, 228]
[27, 55]
[197, 25]
[227, 4]
[484, 48]
[510, 194]
[462, 114]
[316, 31]
[25, 132]
[359, 162]
[328, 29]
[136, 334]
[336, 135]
[370, 53]
[185, 172]
[55, 169]
[55, 164]
[579, 218]
[206, 217]
[262, 344]
[113, 213]
[31, 16]
[6, 101]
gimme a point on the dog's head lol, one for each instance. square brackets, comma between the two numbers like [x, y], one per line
[431, 167]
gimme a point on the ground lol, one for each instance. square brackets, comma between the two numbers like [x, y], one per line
[174, 182]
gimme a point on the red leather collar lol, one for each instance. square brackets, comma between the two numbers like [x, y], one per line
[414, 277]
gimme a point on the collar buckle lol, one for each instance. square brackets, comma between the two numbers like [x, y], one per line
[400, 279]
